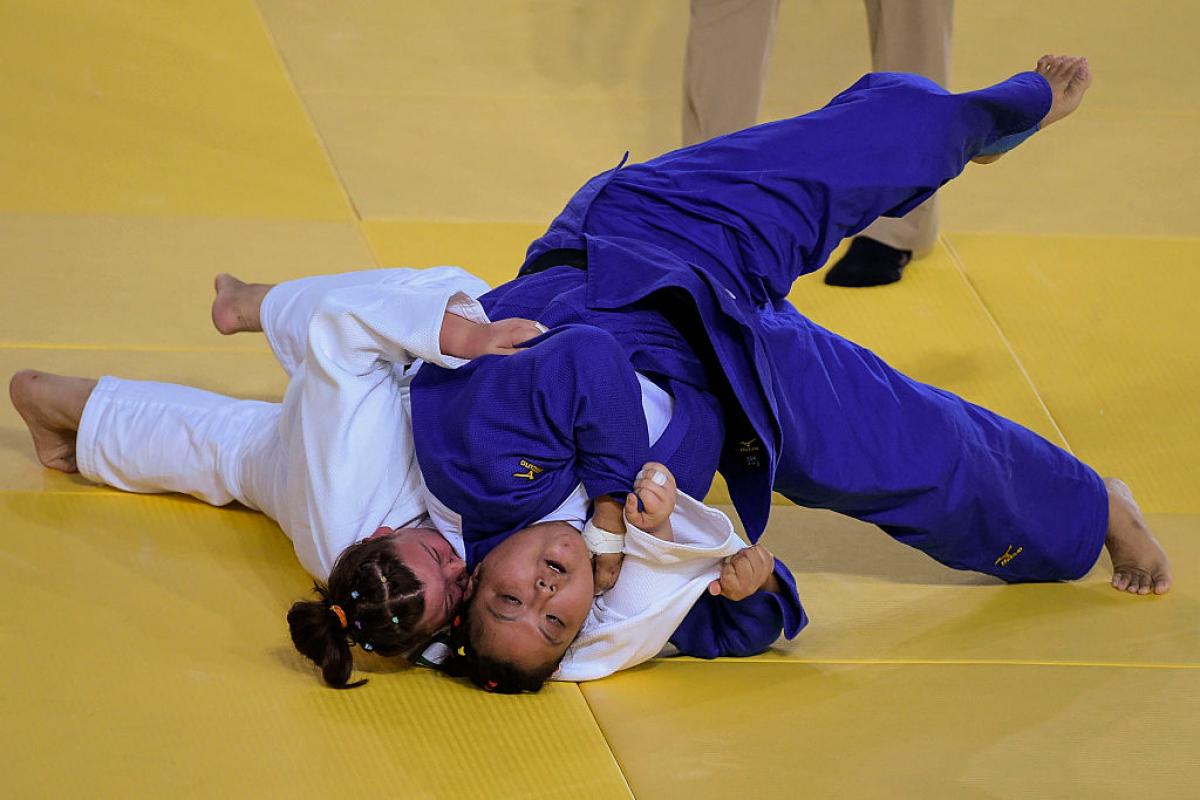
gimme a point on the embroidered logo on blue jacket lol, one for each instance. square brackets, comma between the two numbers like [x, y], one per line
[531, 470]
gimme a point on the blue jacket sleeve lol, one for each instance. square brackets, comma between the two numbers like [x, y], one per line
[717, 626]
[608, 426]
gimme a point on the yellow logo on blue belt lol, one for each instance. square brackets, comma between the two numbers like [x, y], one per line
[1008, 555]
[531, 470]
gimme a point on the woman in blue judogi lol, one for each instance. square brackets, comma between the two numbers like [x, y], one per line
[711, 238]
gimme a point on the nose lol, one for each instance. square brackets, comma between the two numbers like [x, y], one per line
[545, 586]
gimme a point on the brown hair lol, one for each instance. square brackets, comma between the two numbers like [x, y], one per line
[382, 602]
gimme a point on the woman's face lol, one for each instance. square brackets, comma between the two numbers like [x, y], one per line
[437, 566]
[531, 595]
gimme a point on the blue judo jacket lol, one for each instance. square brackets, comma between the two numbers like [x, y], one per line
[504, 440]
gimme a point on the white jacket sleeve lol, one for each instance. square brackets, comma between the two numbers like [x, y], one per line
[350, 452]
[659, 583]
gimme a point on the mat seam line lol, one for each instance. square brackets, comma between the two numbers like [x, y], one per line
[135, 348]
[949, 662]
[607, 742]
[1037, 393]
[316, 131]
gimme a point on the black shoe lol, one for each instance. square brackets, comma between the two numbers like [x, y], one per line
[868, 263]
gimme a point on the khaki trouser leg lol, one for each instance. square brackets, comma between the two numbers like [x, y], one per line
[729, 44]
[910, 36]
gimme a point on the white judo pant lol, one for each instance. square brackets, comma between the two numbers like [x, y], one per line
[144, 436]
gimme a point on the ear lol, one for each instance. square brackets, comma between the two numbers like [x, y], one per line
[382, 530]
[471, 583]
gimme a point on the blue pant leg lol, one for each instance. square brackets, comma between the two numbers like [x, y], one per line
[762, 206]
[966, 486]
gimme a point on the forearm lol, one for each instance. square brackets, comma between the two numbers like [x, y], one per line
[458, 336]
[608, 514]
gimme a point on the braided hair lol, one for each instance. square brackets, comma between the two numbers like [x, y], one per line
[488, 673]
[373, 600]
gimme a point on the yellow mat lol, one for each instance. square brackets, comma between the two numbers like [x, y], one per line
[138, 283]
[160, 665]
[788, 730]
[872, 599]
[147, 108]
[1106, 329]
[149, 145]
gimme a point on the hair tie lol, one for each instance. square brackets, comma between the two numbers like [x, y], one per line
[341, 615]
[490, 686]
[354, 595]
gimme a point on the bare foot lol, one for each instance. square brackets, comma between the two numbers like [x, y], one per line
[51, 406]
[236, 306]
[1139, 563]
[1069, 79]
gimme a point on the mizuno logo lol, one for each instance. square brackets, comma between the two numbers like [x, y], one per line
[1008, 555]
[531, 470]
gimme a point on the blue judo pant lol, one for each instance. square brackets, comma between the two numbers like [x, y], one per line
[758, 208]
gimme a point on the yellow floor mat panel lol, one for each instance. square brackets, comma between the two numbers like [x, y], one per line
[1098, 173]
[148, 108]
[146, 283]
[427, 113]
[160, 665]
[251, 373]
[871, 598]
[1106, 329]
[421, 158]
[1134, 51]
[784, 730]
[492, 250]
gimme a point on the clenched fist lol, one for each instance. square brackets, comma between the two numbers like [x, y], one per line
[655, 487]
[744, 573]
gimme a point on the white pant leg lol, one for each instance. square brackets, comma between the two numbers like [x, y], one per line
[288, 309]
[142, 436]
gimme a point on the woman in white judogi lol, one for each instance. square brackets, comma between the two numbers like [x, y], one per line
[333, 463]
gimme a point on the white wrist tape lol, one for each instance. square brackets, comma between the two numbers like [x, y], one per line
[600, 541]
